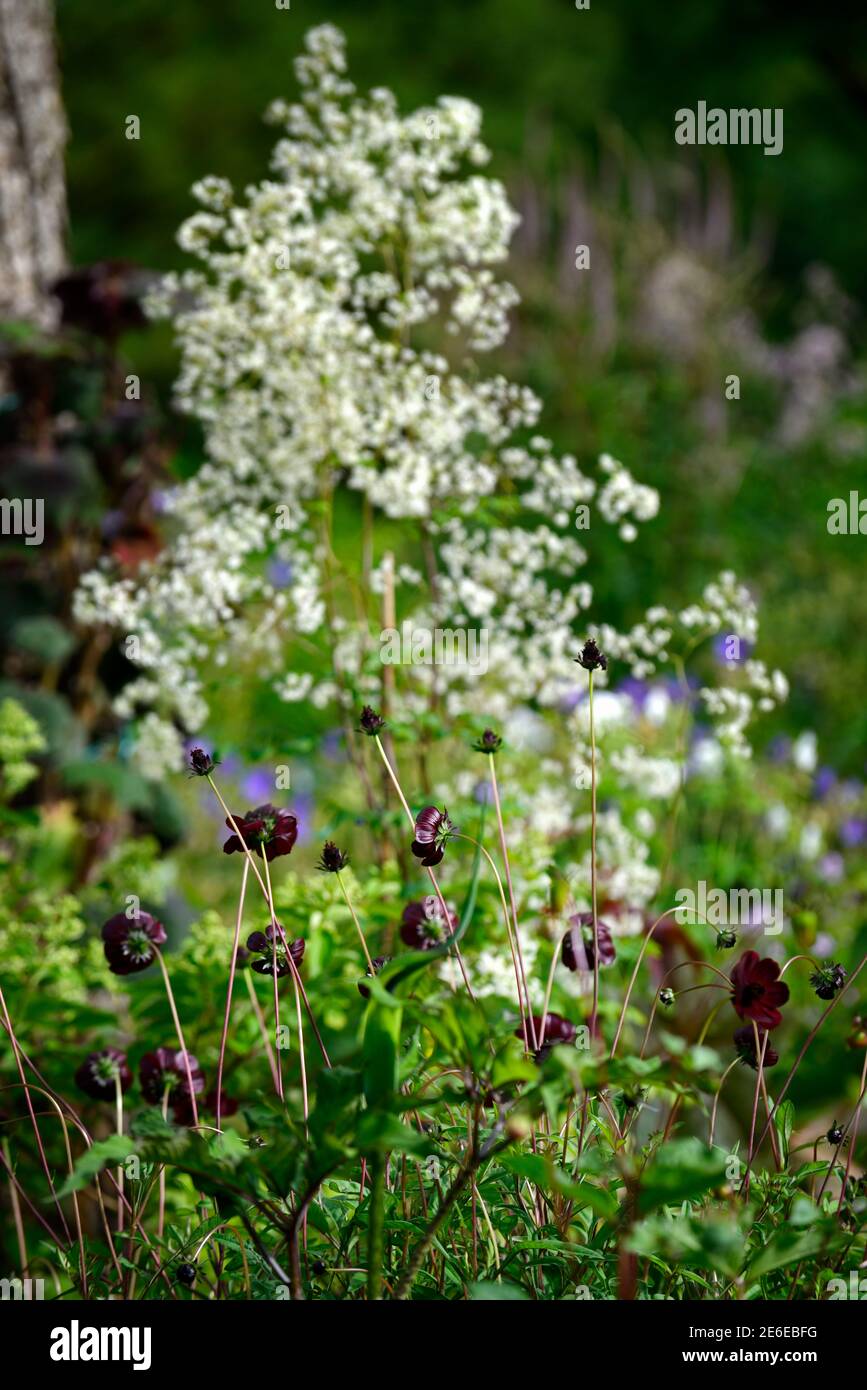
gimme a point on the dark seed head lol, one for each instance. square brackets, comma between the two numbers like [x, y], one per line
[489, 742]
[201, 764]
[591, 658]
[828, 980]
[332, 859]
[370, 722]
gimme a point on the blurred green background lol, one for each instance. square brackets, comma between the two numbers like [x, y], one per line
[704, 262]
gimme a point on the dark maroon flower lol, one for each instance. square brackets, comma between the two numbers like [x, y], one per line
[261, 943]
[745, 1045]
[591, 657]
[332, 859]
[129, 941]
[370, 722]
[422, 925]
[550, 1029]
[201, 764]
[836, 1134]
[99, 1073]
[228, 1104]
[828, 980]
[379, 963]
[165, 1071]
[757, 991]
[488, 743]
[432, 831]
[577, 952]
[267, 828]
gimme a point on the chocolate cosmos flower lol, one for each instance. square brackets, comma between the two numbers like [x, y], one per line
[488, 743]
[577, 952]
[432, 830]
[99, 1072]
[261, 942]
[745, 1045]
[422, 925]
[591, 657]
[265, 829]
[165, 1070]
[757, 991]
[129, 942]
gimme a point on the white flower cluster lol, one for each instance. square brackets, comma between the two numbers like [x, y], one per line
[299, 357]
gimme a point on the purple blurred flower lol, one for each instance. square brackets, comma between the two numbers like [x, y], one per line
[280, 573]
[853, 831]
[258, 784]
[824, 781]
[831, 867]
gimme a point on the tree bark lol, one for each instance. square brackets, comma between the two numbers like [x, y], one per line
[32, 182]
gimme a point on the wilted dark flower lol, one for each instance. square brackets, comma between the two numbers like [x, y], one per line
[667, 997]
[129, 941]
[726, 939]
[550, 1029]
[591, 657]
[432, 831]
[828, 980]
[422, 925]
[577, 951]
[100, 1071]
[186, 1275]
[370, 722]
[488, 743]
[745, 1045]
[201, 763]
[757, 991]
[166, 1071]
[265, 829]
[378, 964]
[261, 943]
[836, 1134]
[332, 859]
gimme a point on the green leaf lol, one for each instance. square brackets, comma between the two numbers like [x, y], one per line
[680, 1170]
[784, 1123]
[487, 1291]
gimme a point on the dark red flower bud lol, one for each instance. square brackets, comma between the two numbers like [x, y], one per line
[432, 831]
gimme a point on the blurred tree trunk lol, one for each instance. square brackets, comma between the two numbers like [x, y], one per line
[32, 184]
